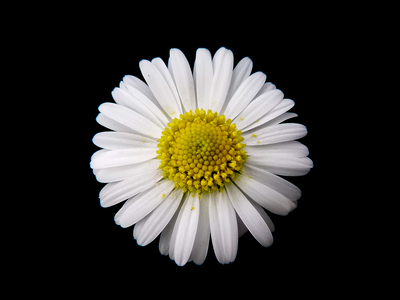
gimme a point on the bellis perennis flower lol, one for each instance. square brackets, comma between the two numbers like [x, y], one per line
[196, 155]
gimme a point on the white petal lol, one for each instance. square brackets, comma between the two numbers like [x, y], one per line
[244, 94]
[203, 76]
[154, 223]
[155, 110]
[185, 229]
[160, 88]
[160, 65]
[165, 237]
[249, 215]
[124, 98]
[122, 157]
[200, 247]
[141, 87]
[264, 195]
[282, 164]
[242, 229]
[240, 73]
[216, 234]
[98, 156]
[263, 214]
[279, 109]
[122, 140]
[222, 65]
[113, 125]
[180, 69]
[291, 148]
[117, 192]
[138, 207]
[279, 119]
[223, 225]
[127, 171]
[277, 183]
[275, 134]
[258, 108]
[131, 119]
[268, 86]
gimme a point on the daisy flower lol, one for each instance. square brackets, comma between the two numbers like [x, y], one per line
[197, 155]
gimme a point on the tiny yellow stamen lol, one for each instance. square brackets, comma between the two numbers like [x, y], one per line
[201, 151]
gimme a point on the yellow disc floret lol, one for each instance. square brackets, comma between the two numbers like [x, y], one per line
[201, 151]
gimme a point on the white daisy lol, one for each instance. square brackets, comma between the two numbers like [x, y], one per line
[197, 155]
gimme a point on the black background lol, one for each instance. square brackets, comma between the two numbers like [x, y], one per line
[297, 62]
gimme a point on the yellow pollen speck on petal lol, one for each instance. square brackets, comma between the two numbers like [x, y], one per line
[254, 135]
[162, 196]
[201, 151]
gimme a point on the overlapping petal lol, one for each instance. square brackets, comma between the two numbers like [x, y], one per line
[157, 206]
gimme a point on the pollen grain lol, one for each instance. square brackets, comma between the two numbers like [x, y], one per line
[201, 151]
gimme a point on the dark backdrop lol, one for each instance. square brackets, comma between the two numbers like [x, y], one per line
[296, 61]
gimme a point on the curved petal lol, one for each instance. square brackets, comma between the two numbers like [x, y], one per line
[224, 228]
[263, 214]
[278, 110]
[249, 215]
[258, 108]
[112, 140]
[242, 229]
[109, 123]
[141, 205]
[142, 87]
[223, 65]
[264, 195]
[200, 247]
[282, 164]
[131, 119]
[244, 94]
[277, 120]
[160, 65]
[203, 77]
[180, 69]
[185, 229]
[122, 157]
[165, 236]
[124, 98]
[160, 88]
[275, 134]
[277, 183]
[268, 86]
[291, 148]
[240, 73]
[156, 110]
[216, 233]
[147, 229]
[114, 193]
[124, 172]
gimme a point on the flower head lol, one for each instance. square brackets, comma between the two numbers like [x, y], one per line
[196, 155]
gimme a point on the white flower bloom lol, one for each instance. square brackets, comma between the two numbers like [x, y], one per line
[197, 155]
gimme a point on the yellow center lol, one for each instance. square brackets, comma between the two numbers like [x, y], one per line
[201, 151]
